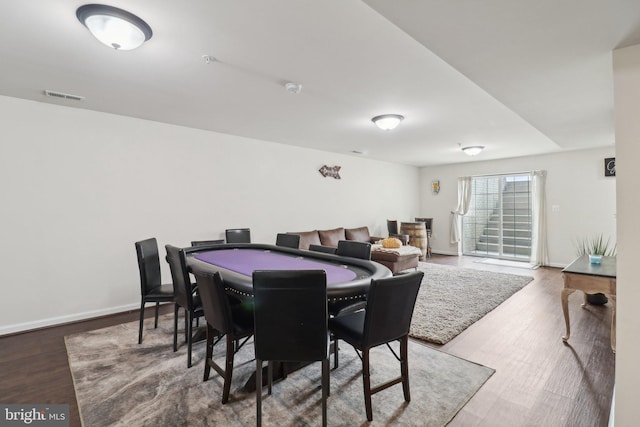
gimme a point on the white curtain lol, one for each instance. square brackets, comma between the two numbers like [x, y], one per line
[539, 255]
[464, 200]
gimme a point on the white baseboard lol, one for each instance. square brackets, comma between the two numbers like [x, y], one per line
[22, 327]
[445, 253]
[613, 408]
[556, 265]
[451, 253]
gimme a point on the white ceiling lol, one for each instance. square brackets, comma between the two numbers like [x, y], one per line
[520, 78]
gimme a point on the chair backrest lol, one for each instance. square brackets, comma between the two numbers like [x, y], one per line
[354, 249]
[427, 222]
[390, 304]
[215, 302]
[288, 240]
[238, 235]
[392, 226]
[290, 315]
[148, 264]
[181, 281]
[324, 249]
[207, 242]
[404, 238]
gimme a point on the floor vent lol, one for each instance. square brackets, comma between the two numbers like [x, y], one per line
[63, 95]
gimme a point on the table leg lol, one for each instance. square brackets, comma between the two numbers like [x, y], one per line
[565, 309]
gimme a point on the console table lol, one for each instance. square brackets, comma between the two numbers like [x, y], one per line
[583, 276]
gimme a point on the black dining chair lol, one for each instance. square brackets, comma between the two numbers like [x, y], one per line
[354, 249]
[234, 321]
[290, 310]
[386, 318]
[151, 287]
[288, 240]
[207, 242]
[392, 226]
[185, 297]
[324, 249]
[238, 235]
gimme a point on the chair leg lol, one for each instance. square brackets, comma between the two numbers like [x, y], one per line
[258, 393]
[325, 390]
[186, 327]
[269, 376]
[189, 332]
[228, 369]
[209, 355]
[335, 353]
[155, 325]
[175, 327]
[141, 322]
[404, 367]
[366, 380]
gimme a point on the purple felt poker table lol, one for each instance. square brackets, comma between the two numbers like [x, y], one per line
[347, 278]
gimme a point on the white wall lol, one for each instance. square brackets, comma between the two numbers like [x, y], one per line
[626, 65]
[78, 188]
[575, 183]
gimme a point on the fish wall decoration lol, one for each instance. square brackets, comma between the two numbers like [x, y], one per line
[330, 171]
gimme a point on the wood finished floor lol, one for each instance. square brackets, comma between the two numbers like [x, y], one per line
[539, 381]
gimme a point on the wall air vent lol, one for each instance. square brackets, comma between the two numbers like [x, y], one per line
[63, 95]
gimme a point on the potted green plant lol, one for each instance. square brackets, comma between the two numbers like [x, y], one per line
[596, 247]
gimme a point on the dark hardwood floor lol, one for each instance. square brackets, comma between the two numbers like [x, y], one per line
[539, 381]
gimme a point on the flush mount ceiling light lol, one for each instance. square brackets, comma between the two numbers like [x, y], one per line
[473, 150]
[208, 59]
[387, 121]
[292, 87]
[114, 27]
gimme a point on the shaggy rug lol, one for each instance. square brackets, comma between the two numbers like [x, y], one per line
[121, 383]
[451, 299]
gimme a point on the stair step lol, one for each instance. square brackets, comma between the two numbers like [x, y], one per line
[513, 250]
[508, 232]
[507, 241]
[510, 226]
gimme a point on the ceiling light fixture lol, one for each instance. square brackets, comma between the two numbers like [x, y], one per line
[473, 150]
[387, 121]
[114, 27]
[208, 59]
[292, 87]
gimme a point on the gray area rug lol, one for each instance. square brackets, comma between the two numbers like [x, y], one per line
[121, 383]
[452, 298]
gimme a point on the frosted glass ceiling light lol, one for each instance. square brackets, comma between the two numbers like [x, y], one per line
[473, 150]
[387, 121]
[114, 27]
